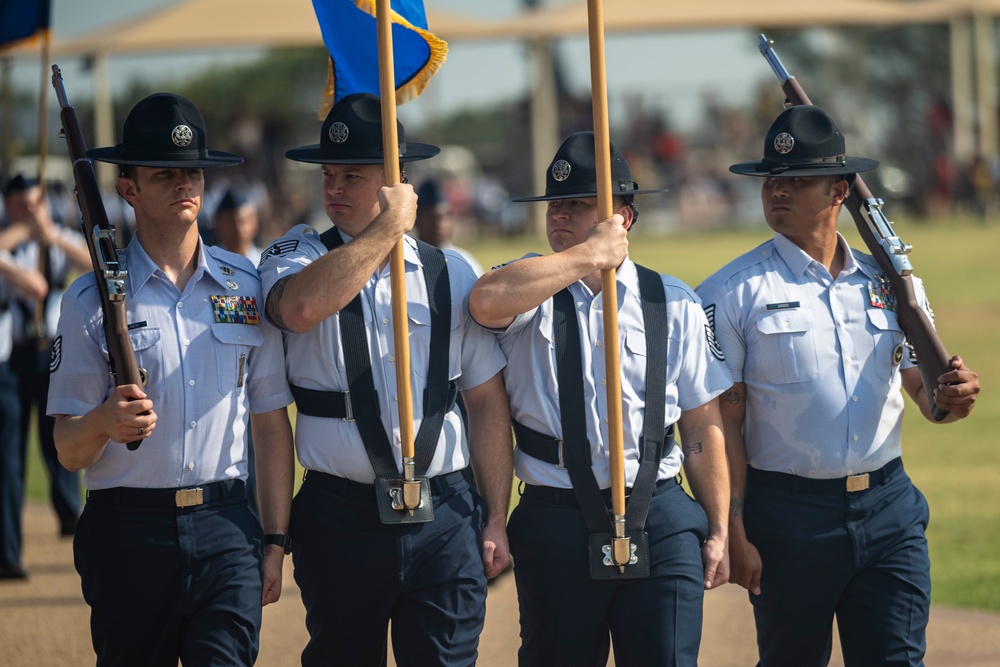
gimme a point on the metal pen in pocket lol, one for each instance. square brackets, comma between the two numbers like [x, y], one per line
[239, 370]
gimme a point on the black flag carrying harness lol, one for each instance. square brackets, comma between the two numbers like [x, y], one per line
[573, 452]
[360, 402]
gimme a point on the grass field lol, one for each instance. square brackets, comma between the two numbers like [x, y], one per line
[955, 466]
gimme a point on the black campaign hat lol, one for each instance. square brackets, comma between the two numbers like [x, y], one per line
[352, 134]
[804, 141]
[573, 173]
[164, 130]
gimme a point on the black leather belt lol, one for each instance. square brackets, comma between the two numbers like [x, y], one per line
[549, 494]
[168, 498]
[351, 489]
[550, 450]
[795, 484]
[329, 404]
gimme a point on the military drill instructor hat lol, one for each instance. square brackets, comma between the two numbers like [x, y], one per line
[804, 141]
[352, 134]
[573, 172]
[164, 130]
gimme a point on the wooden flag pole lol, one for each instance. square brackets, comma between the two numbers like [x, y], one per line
[397, 269]
[609, 286]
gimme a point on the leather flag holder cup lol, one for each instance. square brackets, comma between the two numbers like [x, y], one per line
[601, 557]
[391, 507]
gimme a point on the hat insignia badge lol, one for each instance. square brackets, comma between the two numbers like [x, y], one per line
[182, 136]
[561, 170]
[783, 143]
[338, 133]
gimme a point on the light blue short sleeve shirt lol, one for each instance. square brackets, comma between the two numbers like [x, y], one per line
[820, 357]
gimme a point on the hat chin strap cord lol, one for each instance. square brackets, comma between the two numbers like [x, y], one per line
[839, 161]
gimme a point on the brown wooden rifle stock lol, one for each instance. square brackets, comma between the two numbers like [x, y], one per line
[888, 250]
[100, 235]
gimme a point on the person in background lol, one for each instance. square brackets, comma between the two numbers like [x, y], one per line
[25, 282]
[435, 223]
[35, 239]
[824, 522]
[237, 225]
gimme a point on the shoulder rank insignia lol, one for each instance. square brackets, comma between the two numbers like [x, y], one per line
[280, 248]
[226, 271]
[880, 295]
[235, 309]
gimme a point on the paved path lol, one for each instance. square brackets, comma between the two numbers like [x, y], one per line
[44, 621]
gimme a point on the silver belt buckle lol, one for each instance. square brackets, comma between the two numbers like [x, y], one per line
[188, 497]
[857, 482]
[348, 408]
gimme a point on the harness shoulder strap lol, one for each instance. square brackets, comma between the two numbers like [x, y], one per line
[439, 396]
[654, 317]
[576, 447]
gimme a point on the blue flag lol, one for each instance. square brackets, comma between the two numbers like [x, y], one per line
[21, 20]
[349, 32]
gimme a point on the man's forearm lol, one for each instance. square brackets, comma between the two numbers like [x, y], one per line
[323, 288]
[491, 445]
[504, 293]
[275, 463]
[705, 464]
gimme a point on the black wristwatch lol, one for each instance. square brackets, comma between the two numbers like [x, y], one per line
[283, 541]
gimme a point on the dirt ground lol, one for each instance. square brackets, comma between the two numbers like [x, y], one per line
[44, 621]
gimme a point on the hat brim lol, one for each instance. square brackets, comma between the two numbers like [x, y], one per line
[314, 154]
[212, 159]
[851, 165]
[586, 195]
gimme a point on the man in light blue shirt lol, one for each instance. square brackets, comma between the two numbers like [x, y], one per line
[573, 607]
[824, 521]
[332, 295]
[172, 562]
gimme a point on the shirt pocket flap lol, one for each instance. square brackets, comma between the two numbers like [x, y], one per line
[142, 339]
[238, 334]
[635, 342]
[884, 320]
[420, 313]
[785, 321]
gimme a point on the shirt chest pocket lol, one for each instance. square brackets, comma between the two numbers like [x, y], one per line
[233, 343]
[634, 362]
[148, 353]
[787, 346]
[419, 316]
[887, 341]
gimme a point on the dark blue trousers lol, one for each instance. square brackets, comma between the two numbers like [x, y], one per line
[169, 584]
[11, 479]
[861, 557]
[31, 366]
[356, 574]
[568, 618]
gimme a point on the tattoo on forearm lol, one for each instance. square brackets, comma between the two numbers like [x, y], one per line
[694, 448]
[272, 305]
[735, 507]
[733, 396]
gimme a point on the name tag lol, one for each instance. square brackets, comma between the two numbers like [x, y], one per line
[783, 306]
